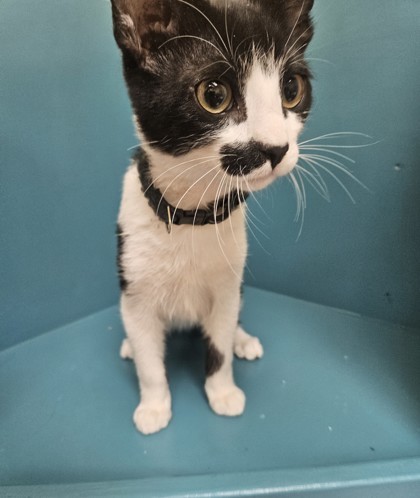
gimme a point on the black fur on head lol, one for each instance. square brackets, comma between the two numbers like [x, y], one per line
[139, 25]
[170, 46]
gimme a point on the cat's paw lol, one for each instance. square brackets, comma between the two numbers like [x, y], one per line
[126, 351]
[152, 417]
[246, 346]
[229, 402]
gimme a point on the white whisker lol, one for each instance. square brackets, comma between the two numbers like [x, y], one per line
[199, 203]
[229, 41]
[320, 178]
[303, 201]
[196, 38]
[298, 193]
[230, 213]
[314, 182]
[192, 186]
[216, 62]
[208, 20]
[235, 55]
[352, 146]
[294, 27]
[338, 134]
[177, 166]
[216, 226]
[324, 168]
[249, 220]
[256, 200]
[179, 175]
[321, 149]
[338, 165]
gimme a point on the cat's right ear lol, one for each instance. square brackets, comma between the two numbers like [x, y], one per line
[141, 26]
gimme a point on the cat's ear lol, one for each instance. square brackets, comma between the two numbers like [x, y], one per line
[295, 8]
[299, 17]
[140, 26]
[299, 8]
[299, 22]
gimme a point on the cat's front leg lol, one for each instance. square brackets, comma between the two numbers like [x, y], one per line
[224, 396]
[146, 336]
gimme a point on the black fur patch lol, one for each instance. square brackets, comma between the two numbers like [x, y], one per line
[120, 250]
[241, 159]
[164, 63]
[214, 358]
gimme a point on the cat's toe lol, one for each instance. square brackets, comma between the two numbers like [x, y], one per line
[152, 418]
[126, 351]
[249, 348]
[230, 402]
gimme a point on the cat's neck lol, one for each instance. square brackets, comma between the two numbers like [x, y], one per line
[191, 181]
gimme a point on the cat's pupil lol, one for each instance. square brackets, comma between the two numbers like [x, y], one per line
[215, 94]
[291, 89]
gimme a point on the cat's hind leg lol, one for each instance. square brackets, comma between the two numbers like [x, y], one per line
[246, 346]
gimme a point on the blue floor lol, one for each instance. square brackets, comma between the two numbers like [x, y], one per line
[334, 390]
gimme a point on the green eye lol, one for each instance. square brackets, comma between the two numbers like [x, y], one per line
[293, 91]
[214, 96]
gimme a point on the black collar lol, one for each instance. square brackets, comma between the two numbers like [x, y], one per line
[172, 216]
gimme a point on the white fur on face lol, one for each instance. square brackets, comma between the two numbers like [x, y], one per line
[196, 178]
[266, 124]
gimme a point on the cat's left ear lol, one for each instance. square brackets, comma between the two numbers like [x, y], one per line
[300, 7]
[300, 22]
[141, 26]
[297, 9]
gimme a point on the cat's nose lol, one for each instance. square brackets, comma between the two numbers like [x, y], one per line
[276, 154]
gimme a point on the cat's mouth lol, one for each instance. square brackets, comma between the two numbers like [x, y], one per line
[258, 167]
[264, 176]
[261, 181]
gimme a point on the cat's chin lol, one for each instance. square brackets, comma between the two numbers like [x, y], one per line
[260, 183]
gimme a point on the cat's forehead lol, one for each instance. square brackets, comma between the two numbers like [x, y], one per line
[162, 33]
[223, 4]
[253, 28]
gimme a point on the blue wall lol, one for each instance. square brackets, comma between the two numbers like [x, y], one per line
[363, 257]
[65, 129]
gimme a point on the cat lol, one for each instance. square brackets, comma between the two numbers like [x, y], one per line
[220, 92]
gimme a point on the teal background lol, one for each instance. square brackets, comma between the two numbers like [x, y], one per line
[66, 127]
[333, 409]
[364, 257]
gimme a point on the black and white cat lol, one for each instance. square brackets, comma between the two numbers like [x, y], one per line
[220, 92]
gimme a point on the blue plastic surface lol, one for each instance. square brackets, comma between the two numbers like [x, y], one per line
[334, 407]
[333, 389]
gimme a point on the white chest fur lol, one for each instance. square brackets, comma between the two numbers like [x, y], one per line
[178, 274]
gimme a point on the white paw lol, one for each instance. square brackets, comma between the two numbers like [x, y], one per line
[229, 402]
[152, 417]
[126, 352]
[248, 347]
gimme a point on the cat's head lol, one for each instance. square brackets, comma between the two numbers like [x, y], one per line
[223, 83]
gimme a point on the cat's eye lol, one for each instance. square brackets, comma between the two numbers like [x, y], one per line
[214, 96]
[293, 91]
